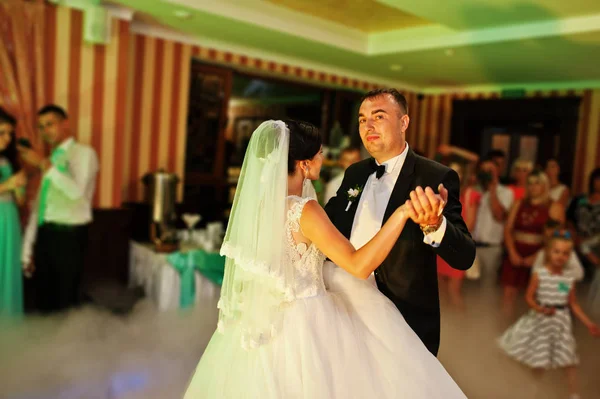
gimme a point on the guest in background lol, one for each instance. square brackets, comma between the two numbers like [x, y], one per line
[498, 157]
[449, 153]
[469, 198]
[446, 154]
[464, 163]
[524, 235]
[591, 249]
[57, 233]
[584, 218]
[12, 183]
[521, 168]
[348, 156]
[493, 209]
[558, 191]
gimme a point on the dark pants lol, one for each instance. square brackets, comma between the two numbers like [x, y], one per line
[59, 256]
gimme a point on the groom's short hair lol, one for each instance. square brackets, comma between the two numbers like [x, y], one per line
[399, 97]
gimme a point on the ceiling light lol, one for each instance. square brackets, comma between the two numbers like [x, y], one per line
[396, 67]
[183, 14]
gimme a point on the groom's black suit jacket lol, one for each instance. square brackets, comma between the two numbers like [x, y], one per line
[408, 276]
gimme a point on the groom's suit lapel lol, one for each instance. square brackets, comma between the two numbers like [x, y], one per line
[403, 185]
[359, 179]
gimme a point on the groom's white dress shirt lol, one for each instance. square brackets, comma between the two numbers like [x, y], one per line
[373, 202]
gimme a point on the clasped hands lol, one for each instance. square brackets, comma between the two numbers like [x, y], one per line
[425, 207]
[17, 181]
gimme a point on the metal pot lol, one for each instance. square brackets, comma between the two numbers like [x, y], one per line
[161, 195]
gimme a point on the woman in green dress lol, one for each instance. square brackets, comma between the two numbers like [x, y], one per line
[12, 183]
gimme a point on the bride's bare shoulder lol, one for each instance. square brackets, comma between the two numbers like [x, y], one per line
[311, 205]
[313, 214]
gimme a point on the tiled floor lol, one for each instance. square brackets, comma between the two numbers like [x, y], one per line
[93, 355]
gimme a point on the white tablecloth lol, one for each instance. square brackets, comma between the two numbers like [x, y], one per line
[161, 281]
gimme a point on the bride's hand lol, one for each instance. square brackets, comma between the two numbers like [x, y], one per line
[402, 211]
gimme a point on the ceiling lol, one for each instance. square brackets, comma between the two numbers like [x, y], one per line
[429, 45]
[364, 15]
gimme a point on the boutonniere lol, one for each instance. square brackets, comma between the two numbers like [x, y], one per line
[353, 194]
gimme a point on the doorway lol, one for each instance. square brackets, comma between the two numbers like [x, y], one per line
[532, 128]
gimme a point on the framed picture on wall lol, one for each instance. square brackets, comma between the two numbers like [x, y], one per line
[242, 131]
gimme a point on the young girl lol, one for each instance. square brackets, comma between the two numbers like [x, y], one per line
[572, 268]
[543, 338]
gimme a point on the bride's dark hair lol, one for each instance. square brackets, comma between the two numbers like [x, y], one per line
[305, 142]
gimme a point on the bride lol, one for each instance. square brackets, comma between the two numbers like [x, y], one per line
[281, 333]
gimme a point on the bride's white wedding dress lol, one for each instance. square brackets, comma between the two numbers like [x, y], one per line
[350, 342]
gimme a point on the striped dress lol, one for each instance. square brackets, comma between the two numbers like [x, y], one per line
[541, 341]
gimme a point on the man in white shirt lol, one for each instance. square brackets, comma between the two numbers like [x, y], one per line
[348, 156]
[56, 236]
[491, 218]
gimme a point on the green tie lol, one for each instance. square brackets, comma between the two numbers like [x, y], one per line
[59, 161]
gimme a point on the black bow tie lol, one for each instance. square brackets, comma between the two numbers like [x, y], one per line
[378, 169]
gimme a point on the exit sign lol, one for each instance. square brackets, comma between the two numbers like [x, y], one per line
[96, 19]
[96, 25]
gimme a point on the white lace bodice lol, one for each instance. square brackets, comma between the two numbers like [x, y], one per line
[306, 259]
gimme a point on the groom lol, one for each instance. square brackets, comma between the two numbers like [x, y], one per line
[393, 177]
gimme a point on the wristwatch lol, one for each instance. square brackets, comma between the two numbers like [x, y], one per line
[431, 228]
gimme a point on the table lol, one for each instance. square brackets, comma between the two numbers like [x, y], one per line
[160, 281]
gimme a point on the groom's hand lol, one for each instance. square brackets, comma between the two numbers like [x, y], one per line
[443, 193]
[425, 207]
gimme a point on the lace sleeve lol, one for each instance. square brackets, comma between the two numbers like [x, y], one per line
[295, 212]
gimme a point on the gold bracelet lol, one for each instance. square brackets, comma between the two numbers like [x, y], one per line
[431, 228]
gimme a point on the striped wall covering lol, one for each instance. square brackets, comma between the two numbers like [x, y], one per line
[273, 68]
[91, 82]
[129, 100]
[157, 103]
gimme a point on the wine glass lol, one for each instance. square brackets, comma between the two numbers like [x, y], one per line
[191, 219]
